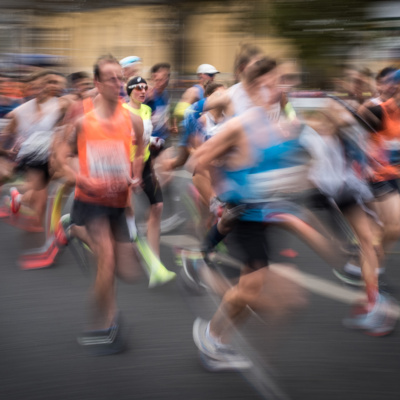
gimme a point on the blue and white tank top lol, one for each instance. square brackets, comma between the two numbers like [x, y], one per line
[275, 160]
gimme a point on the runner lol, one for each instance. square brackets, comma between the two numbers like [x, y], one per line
[245, 148]
[387, 230]
[199, 127]
[385, 87]
[102, 143]
[205, 73]
[131, 66]
[79, 85]
[32, 128]
[233, 102]
[32, 86]
[136, 89]
[384, 152]
[158, 99]
[336, 172]
[164, 131]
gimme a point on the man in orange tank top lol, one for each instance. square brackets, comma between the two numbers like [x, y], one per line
[385, 159]
[102, 141]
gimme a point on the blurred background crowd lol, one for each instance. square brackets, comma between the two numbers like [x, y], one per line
[325, 42]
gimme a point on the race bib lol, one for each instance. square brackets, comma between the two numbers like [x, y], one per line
[107, 159]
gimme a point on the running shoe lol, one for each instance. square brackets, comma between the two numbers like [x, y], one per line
[192, 263]
[62, 231]
[351, 274]
[103, 342]
[160, 276]
[155, 269]
[216, 356]
[380, 321]
[171, 223]
[15, 203]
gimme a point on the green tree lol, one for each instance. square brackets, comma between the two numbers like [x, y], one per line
[323, 32]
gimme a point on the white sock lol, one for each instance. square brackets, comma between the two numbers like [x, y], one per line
[130, 220]
[215, 341]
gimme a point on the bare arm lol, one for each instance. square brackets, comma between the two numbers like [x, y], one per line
[217, 100]
[190, 96]
[137, 166]
[64, 152]
[218, 145]
[184, 151]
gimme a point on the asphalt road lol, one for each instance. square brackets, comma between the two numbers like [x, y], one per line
[309, 356]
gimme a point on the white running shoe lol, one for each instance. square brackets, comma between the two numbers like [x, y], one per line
[214, 356]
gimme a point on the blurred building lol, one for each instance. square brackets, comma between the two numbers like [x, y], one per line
[71, 34]
[155, 33]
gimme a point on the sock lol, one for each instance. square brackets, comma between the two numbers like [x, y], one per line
[130, 220]
[212, 338]
[212, 238]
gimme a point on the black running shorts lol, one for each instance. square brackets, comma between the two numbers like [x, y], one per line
[249, 243]
[151, 186]
[27, 163]
[82, 213]
[380, 189]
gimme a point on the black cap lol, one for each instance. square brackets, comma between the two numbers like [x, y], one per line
[136, 80]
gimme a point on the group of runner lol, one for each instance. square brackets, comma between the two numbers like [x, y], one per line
[252, 157]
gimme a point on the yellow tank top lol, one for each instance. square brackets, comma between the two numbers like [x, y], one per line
[143, 112]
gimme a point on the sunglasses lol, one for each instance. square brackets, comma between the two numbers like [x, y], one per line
[139, 88]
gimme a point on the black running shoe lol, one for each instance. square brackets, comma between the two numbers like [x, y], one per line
[103, 342]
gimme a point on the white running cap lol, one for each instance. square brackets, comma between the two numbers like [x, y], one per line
[206, 69]
[127, 61]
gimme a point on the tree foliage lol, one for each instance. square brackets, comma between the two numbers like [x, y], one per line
[317, 28]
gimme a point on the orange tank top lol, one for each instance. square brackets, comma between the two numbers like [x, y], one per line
[103, 153]
[385, 145]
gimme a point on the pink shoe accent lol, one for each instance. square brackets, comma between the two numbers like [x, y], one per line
[14, 204]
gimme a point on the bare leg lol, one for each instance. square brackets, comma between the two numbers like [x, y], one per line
[6, 169]
[326, 248]
[388, 210]
[127, 263]
[104, 291]
[369, 260]
[35, 193]
[261, 290]
[202, 182]
[82, 234]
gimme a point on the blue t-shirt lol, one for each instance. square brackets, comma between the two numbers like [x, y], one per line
[160, 107]
[200, 91]
[191, 124]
